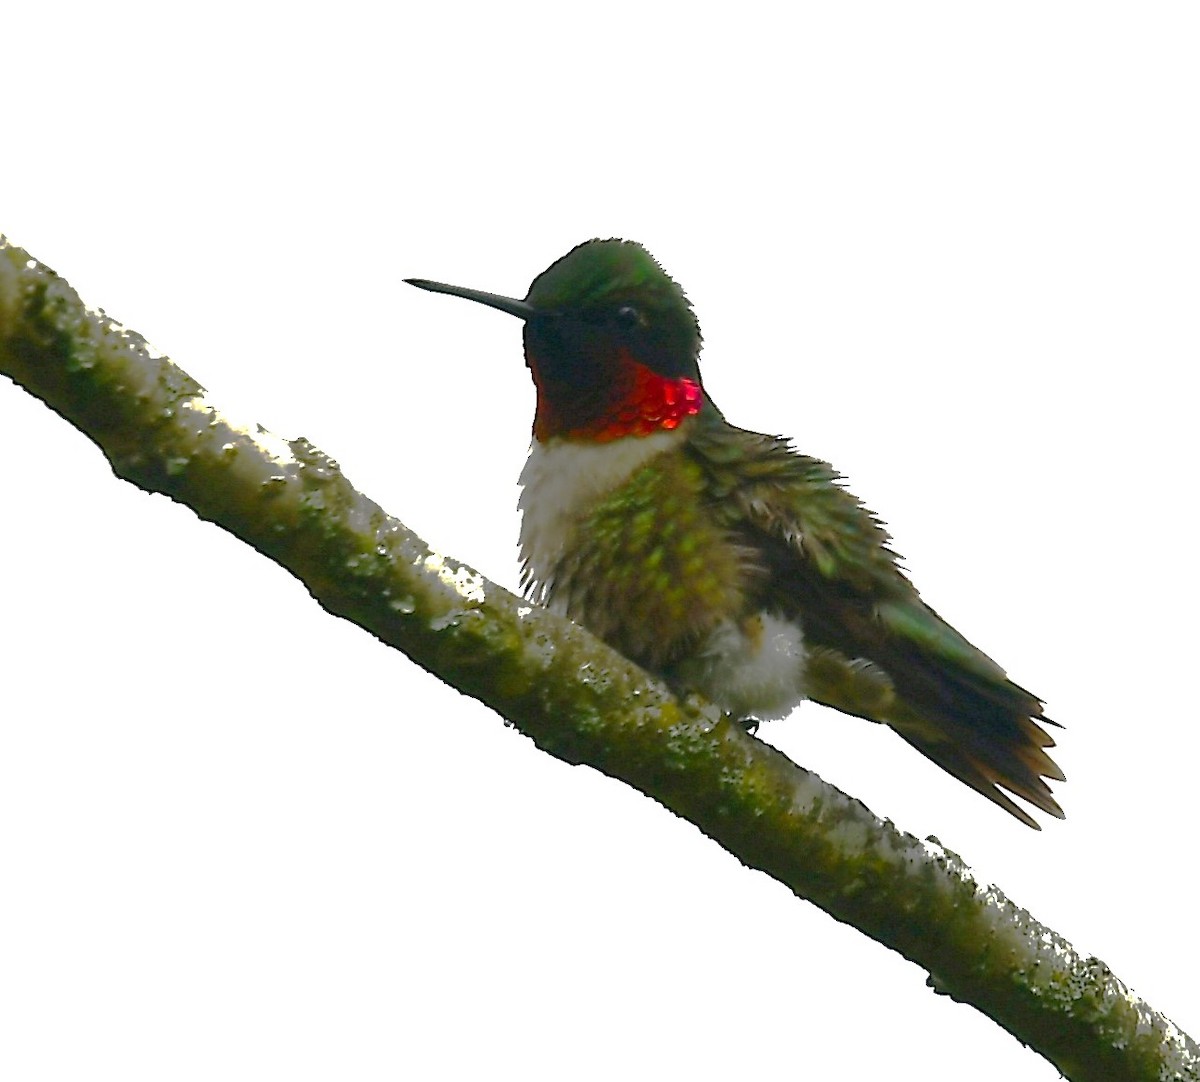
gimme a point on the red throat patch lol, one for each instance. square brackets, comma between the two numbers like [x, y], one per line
[637, 401]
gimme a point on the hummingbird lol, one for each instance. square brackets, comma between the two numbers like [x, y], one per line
[722, 559]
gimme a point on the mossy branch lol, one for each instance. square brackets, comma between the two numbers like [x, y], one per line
[574, 697]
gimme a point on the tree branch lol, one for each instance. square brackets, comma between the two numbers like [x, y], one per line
[576, 698]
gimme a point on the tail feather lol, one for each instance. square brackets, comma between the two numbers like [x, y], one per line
[990, 768]
[956, 706]
[972, 721]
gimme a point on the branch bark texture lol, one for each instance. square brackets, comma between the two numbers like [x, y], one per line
[572, 695]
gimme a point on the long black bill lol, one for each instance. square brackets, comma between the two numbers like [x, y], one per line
[510, 305]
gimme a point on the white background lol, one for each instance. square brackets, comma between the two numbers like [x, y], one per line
[951, 248]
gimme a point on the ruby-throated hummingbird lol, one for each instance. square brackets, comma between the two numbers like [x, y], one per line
[721, 559]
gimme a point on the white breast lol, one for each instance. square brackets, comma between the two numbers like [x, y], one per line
[561, 480]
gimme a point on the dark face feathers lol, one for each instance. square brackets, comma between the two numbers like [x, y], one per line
[607, 295]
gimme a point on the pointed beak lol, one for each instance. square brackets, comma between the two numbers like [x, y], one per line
[510, 305]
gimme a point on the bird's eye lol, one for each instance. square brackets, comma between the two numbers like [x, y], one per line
[628, 316]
